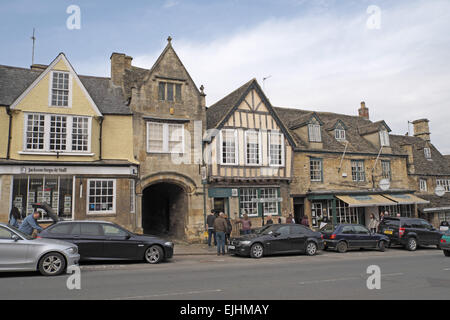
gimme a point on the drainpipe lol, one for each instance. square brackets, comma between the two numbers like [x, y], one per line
[9, 112]
[100, 121]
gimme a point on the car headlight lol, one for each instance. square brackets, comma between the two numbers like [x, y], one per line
[168, 244]
[72, 250]
[245, 243]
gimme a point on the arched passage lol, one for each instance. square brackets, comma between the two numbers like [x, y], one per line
[164, 209]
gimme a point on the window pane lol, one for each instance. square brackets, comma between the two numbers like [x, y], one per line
[155, 137]
[178, 92]
[252, 147]
[169, 91]
[162, 91]
[228, 147]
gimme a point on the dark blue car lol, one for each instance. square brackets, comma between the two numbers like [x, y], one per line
[353, 236]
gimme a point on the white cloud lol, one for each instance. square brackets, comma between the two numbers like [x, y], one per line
[331, 63]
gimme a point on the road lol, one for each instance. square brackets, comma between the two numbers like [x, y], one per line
[424, 274]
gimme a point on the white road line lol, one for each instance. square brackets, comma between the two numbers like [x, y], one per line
[346, 279]
[447, 269]
[168, 294]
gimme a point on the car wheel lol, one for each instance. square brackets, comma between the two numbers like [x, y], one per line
[311, 248]
[342, 247]
[154, 254]
[412, 244]
[447, 253]
[52, 264]
[382, 246]
[256, 251]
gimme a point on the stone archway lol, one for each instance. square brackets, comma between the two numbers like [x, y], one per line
[165, 205]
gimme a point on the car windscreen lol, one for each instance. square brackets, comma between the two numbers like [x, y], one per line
[270, 229]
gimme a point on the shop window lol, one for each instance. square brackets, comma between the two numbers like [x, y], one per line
[247, 204]
[270, 206]
[101, 194]
[54, 190]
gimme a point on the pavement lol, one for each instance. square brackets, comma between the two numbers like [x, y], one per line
[183, 249]
[423, 274]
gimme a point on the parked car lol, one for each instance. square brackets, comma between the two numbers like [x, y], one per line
[20, 252]
[353, 236]
[410, 232]
[101, 240]
[445, 244]
[277, 239]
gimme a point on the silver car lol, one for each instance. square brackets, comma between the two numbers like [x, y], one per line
[20, 252]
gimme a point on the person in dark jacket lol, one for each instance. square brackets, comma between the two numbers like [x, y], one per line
[220, 228]
[229, 229]
[210, 225]
[14, 217]
[269, 220]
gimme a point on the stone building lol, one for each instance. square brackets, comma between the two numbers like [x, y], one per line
[169, 116]
[427, 169]
[346, 167]
[250, 156]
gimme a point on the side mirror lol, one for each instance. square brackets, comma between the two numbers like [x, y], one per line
[15, 238]
[276, 234]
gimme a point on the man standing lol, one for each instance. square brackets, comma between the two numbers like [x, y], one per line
[30, 223]
[220, 228]
[210, 223]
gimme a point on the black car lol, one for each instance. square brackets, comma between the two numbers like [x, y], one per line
[276, 239]
[353, 236]
[410, 232]
[98, 240]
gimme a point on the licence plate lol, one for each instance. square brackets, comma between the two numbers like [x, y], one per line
[387, 231]
[231, 247]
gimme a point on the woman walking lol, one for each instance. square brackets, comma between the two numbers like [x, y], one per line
[14, 217]
[373, 223]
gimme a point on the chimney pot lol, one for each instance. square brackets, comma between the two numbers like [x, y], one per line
[363, 111]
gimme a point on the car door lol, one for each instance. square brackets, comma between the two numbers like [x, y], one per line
[89, 238]
[348, 235]
[280, 240]
[418, 228]
[431, 236]
[364, 238]
[13, 253]
[298, 238]
[118, 243]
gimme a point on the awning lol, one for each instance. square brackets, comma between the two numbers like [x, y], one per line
[405, 199]
[373, 200]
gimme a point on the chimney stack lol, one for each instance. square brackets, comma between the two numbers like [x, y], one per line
[119, 62]
[363, 111]
[422, 129]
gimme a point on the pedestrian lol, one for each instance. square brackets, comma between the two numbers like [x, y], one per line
[373, 223]
[290, 219]
[30, 223]
[269, 220]
[305, 221]
[229, 229]
[14, 217]
[246, 224]
[220, 228]
[210, 225]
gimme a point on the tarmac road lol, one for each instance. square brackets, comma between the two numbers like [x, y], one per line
[424, 274]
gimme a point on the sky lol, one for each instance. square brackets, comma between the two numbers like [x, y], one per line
[322, 55]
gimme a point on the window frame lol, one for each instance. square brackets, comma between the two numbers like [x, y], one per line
[313, 129]
[445, 183]
[339, 134]
[423, 185]
[246, 149]
[177, 87]
[236, 148]
[384, 138]
[69, 90]
[383, 171]
[114, 197]
[47, 135]
[165, 138]
[282, 148]
[427, 152]
[319, 160]
[358, 173]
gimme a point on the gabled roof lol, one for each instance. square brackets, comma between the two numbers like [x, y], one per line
[332, 125]
[436, 166]
[136, 77]
[356, 143]
[304, 120]
[14, 81]
[219, 113]
[373, 127]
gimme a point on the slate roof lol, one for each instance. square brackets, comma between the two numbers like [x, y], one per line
[108, 98]
[435, 201]
[356, 143]
[437, 166]
[216, 112]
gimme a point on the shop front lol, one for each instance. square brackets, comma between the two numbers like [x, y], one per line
[73, 191]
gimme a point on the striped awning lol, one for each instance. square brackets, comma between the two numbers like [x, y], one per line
[372, 200]
[405, 199]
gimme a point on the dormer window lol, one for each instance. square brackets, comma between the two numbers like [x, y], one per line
[339, 134]
[314, 132]
[60, 89]
[427, 153]
[384, 138]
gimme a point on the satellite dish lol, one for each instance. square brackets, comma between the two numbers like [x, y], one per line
[384, 184]
[439, 191]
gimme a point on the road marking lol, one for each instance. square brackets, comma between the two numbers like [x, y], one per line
[346, 279]
[168, 294]
[447, 269]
